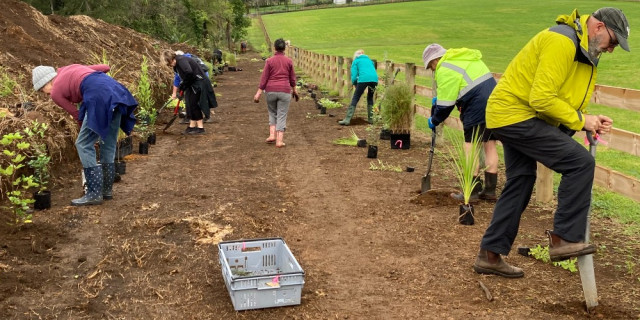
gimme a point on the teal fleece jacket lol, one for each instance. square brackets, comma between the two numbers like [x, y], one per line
[362, 70]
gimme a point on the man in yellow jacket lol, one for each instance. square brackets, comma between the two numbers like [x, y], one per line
[535, 108]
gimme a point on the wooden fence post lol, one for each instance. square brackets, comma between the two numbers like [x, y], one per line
[410, 75]
[388, 72]
[347, 89]
[544, 184]
[340, 73]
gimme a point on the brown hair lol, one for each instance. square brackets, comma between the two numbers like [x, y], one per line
[167, 56]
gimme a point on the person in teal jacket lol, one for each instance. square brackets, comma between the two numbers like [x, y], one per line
[462, 80]
[363, 76]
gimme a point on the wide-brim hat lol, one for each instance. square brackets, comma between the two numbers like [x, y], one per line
[432, 51]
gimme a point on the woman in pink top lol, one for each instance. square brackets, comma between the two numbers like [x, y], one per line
[278, 81]
[105, 106]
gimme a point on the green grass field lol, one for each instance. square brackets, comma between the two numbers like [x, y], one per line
[400, 31]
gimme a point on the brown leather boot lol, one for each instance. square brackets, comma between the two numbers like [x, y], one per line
[489, 262]
[560, 249]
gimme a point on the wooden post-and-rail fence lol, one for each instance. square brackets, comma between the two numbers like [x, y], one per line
[334, 72]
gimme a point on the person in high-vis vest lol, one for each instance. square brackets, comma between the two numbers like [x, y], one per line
[539, 102]
[463, 80]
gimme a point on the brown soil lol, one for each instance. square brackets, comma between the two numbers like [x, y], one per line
[370, 245]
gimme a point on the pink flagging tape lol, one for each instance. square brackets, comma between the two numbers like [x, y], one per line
[400, 142]
[597, 138]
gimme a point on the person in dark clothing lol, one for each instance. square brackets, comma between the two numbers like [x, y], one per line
[177, 80]
[196, 87]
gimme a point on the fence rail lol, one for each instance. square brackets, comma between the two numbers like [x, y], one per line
[334, 72]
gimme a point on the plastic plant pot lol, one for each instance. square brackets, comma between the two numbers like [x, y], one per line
[465, 215]
[372, 152]
[361, 143]
[152, 139]
[143, 147]
[42, 200]
[410, 169]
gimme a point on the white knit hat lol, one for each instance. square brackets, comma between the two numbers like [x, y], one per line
[42, 75]
[432, 51]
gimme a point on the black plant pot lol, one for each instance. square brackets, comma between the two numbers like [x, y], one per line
[410, 169]
[323, 110]
[121, 167]
[152, 139]
[318, 105]
[125, 147]
[310, 90]
[313, 95]
[385, 134]
[231, 68]
[465, 216]
[42, 200]
[372, 152]
[400, 141]
[362, 143]
[143, 148]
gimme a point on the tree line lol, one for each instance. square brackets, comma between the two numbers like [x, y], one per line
[203, 23]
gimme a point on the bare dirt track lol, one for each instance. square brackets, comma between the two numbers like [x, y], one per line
[370, 246]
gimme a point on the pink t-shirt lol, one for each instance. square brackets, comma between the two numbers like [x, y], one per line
[66, 85]
[278, 74]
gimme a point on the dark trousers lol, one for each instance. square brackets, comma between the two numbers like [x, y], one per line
[525, 143]
[360, 87]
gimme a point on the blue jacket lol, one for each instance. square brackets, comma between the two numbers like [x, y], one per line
[363, 70]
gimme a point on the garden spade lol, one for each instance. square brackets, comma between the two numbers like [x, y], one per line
[426, 179]
[175, 115]
[164, 106]
[585, 263]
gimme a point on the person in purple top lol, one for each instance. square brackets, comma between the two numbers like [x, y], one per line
[105, 106]
[278, 81]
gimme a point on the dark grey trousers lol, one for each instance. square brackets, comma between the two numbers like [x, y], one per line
[525, 143]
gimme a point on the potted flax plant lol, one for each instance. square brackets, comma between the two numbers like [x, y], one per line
[397, 113]
[464, 163]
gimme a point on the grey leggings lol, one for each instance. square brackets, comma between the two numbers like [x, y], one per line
[278, 106]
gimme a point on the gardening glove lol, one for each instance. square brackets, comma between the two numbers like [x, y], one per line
[433, 101]
[432, 125]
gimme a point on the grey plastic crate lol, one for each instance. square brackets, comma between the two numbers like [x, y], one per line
[260, 273]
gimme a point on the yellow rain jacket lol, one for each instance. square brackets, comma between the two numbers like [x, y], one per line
[551, 78]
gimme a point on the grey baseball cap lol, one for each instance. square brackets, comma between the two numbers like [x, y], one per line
[615, 20]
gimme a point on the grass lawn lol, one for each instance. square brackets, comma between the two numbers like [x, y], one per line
[400, 31]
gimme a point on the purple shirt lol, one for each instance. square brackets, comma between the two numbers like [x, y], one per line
[65, 91]
[278, 74]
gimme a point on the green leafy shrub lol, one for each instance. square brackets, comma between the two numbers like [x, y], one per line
[12, 160]
[146, 110]
[40, 160]
[7, 84]
[329, 104]
[542, 254]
